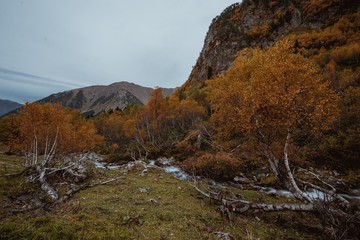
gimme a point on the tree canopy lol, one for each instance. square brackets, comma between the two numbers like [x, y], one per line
[39, 126]
[275, 91]
[274, 95]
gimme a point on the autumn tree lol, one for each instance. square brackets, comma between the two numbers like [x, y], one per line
[9, 132]
[40, 125]
[185, 113]
[273, 95]
[157, 127]
[46, 134]
[336, 49]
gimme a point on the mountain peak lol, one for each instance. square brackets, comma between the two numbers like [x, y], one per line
[92, 100]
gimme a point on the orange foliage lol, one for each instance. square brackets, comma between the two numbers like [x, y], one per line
[315, 6]
[219, 166]
[347, 54]
[39, 126]
[151, 129]
[110, 126]
[336, 49]
[327, 38]
[156, 106]
[8, 130]
[274, 92]
[345, 31]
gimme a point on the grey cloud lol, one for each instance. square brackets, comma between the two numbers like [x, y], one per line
[88, 42]
[25, 78]
[34, 87]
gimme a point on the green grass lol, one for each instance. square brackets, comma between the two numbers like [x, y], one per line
[120, 210]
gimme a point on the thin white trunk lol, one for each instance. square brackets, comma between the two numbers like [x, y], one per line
[295, 189]
[333, 194]
[273, 161]
[241, 206]
[46, 146]
[35, 154]
[52, 151]
[50, 191]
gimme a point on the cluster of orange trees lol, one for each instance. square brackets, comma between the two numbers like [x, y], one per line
[39, 127]
[336, 50]
[150, 130]
[295, 100]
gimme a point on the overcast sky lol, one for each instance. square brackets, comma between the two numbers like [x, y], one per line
[48, 46]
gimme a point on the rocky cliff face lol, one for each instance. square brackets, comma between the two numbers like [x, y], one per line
[261, 23]
[95, 99]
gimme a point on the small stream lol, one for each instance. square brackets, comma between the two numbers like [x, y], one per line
[168, 165]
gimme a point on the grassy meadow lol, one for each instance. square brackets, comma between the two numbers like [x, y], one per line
[153, 206]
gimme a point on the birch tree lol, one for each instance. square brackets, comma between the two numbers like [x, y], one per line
[46, 134]
[273, 95]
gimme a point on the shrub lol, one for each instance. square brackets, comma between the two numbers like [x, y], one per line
[348, 54]
[219, 166]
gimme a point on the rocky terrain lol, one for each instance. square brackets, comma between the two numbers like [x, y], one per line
[95, 99]
[260, 23]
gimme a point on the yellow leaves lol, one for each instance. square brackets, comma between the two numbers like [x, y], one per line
[349, 54]
[153, 127]
[157, 104]
[276, 86]
[46, 123]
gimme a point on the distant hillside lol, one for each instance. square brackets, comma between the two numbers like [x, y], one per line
[7, 106]
[95, 99]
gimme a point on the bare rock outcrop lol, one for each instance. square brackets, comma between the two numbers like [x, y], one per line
[260, 23]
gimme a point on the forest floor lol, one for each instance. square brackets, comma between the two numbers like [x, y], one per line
[151, 206]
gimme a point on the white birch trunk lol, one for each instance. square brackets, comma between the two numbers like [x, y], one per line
[294, 187]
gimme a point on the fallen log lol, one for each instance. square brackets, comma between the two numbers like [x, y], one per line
[76, 189]
[240, 206]
[66, 196]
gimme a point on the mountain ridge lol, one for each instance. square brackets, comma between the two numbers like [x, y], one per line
[7, 106]
[92, 100]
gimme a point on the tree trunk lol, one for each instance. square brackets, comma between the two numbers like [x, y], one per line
[50, 191]
[281, 169]
[293, 187]
[241, 206]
